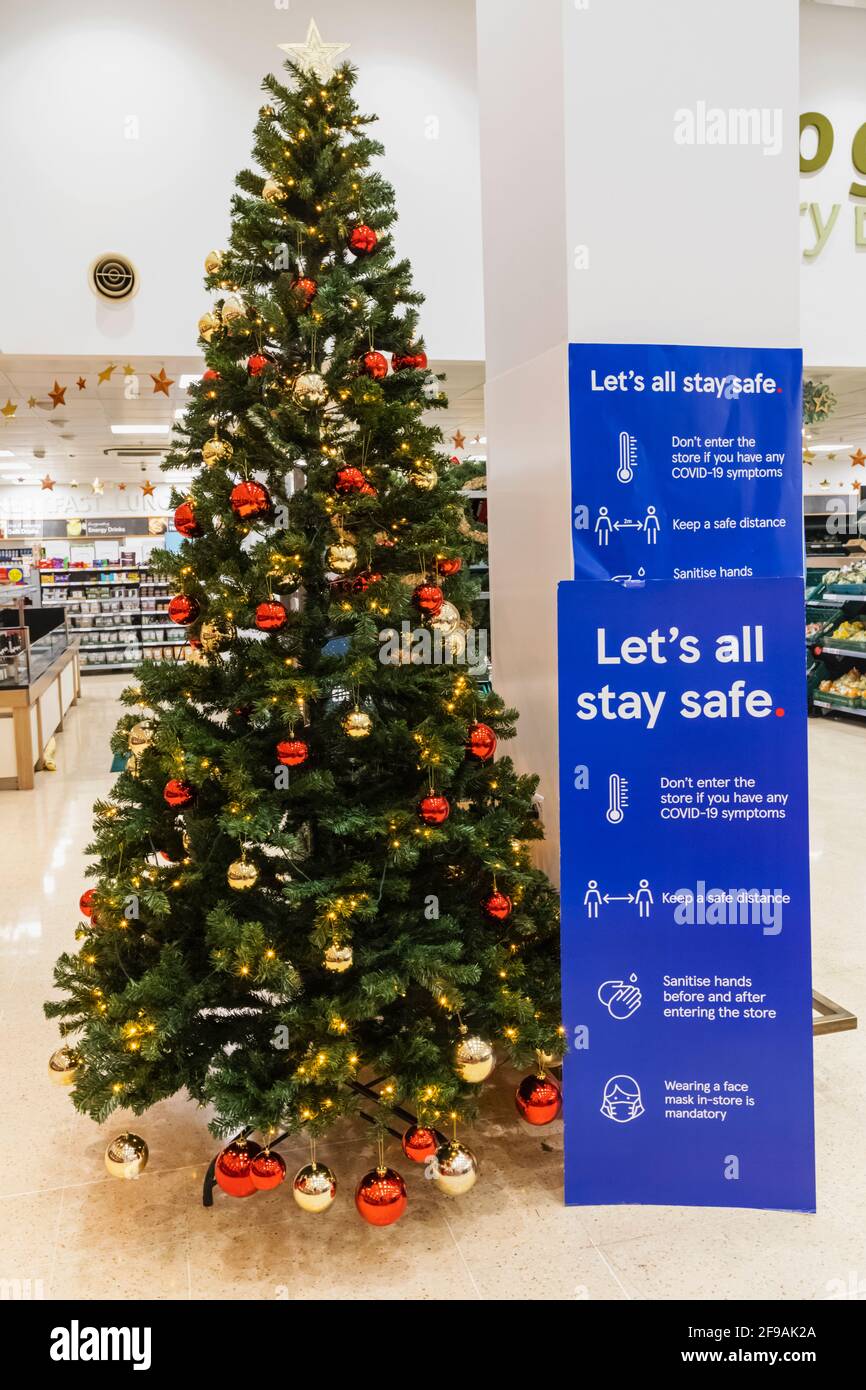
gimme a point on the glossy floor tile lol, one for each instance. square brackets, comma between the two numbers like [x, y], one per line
[73, 1232]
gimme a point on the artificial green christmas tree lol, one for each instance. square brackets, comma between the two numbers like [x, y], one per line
[314, 870]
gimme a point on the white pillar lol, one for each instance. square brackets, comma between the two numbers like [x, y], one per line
[601, 226]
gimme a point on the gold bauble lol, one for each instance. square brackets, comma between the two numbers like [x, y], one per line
[242, 875]
[207, 326]
[341, 558]
[140, 737]
[357, 723]
[314, 1187]
[310, 390]
[232, 310]
[424, 477]
[455, 1168]
[217, 450]
[126, 1156]
[273, 191]
[216, 633]
[63, 1067]
[337, 958]
[213, 262]
[475, 1059]
[447, 620]
[454, 643]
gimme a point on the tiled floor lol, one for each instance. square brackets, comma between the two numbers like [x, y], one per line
[72, 1231]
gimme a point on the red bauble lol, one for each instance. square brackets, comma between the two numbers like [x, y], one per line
[434, 809]
[256, 363]
[210, 375]
[538, 1099]
[449, 567]
[409, 361]
[184, 520]
[349, 480]
[271, 616]
[362, 240]
[420, 1143]
[374, 364]
[306, 288]
[292, 752]
[232, 1168]
[183, 609]
[381, 1196]
[429, 598]
[497, 905]
[177, 793]
[249, 500]
[85, 902]
[480, 742]
[361, 582]
[267, 1170]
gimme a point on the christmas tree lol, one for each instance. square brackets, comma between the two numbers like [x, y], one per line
[314, 872]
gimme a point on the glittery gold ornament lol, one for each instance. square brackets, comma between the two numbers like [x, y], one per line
[213, 262]
[447, 620]
[126, 1156]
[217, 450]
[424, 477]
[207, 326]
[216, 633]
[232, 311]
[314, 1187]
[310, 390]
[337, 958]
[242, 875]
[357, 723]
[140, 737]
[455, 1168]
[273, 191]
[475, 1059]
[341, 558]
[63, 1067]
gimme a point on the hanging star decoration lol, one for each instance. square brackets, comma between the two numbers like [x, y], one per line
[129, 370]
[858, 460]
[148, 489]
[121, 487]
[31, 402]
[808, 456]
[458, 440]
[98, 487]
[855, 485]
[314, 55]
[81, 383]
[825, 482]
[161, 382]
[105, 374]
[58, 395]
[47, 483]
[8, 410]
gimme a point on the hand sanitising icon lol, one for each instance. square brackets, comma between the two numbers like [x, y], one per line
[621, 998]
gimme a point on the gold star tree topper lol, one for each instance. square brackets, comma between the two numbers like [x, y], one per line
[314, 55]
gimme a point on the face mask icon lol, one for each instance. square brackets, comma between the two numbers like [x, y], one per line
[622, 1101]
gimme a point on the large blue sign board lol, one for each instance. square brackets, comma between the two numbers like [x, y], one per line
[684, 837]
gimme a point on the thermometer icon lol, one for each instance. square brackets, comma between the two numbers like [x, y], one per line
[617, 798]
[627, 457]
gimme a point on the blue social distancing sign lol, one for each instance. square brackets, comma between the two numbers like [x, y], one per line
[684, 835]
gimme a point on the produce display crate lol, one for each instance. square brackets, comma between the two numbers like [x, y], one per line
[829, 618]
[814, 591]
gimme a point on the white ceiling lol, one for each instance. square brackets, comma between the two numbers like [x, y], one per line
[69, 440]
